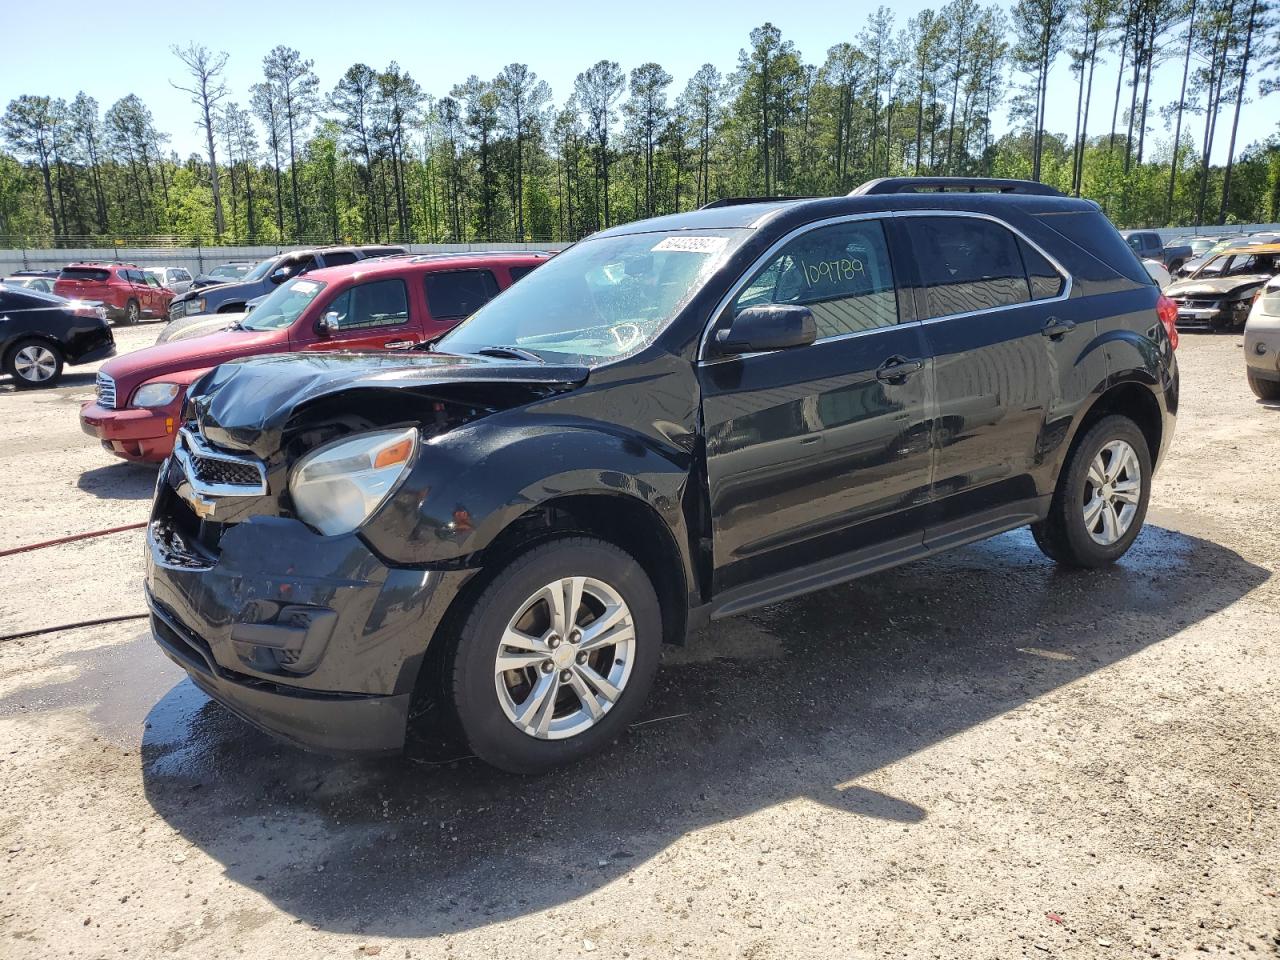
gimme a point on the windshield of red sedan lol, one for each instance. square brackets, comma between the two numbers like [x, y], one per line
[283, 305]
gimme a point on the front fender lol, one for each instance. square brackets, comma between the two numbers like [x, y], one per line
[470, 484]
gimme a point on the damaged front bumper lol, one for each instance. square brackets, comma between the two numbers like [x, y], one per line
[314, 639]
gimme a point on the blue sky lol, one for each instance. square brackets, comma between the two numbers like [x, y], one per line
[110, 52]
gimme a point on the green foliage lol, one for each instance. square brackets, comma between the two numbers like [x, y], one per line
[378, 159]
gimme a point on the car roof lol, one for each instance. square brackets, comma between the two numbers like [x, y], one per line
[424, 263]
[755, 213]
[1252, 248]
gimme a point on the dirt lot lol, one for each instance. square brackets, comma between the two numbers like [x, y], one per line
[973, 756]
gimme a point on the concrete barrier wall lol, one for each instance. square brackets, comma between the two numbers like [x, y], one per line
[199, 259]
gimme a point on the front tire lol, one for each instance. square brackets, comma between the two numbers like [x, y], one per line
[34, 364]
[132, 313]
[1100, 502]
[1264, 389]
[556, 656]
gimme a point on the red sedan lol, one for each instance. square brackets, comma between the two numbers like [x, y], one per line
[385, 304]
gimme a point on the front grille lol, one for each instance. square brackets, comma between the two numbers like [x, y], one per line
[216, 473]
[106, 388]
[215, 470]
[1192, 304]
[177, 310]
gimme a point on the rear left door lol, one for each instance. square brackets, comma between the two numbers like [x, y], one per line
[1005, 343]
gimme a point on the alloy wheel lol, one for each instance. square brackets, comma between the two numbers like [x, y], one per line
[35, 363]
[565, 658]
[1112, 491]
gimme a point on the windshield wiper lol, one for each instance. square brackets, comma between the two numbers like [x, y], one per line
[518, 353]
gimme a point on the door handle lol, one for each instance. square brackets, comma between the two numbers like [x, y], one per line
[1056, 328]
[399, 344]
[897, 369]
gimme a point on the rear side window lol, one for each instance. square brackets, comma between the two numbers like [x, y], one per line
[383, 303]
[455, 294]
[841, 273]
[519, 272]
[967, 265]
[1092, 232]
[338, 259]
[84, 273]
[1046, 282]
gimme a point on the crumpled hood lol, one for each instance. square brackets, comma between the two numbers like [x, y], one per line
[248, 404]
[1219, 287]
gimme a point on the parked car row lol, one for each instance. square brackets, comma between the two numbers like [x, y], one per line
[673, 421]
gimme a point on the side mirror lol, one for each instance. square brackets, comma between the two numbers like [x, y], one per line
[327, 325]
[775, 326]
[279, 274]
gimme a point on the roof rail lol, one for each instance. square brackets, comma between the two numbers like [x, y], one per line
[954, 184]
[739, 201]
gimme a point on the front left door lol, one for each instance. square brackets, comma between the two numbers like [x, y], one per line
[368, 316]
[818, 452]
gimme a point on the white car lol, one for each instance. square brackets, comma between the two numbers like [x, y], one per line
[1158, 272]
[1262, 342]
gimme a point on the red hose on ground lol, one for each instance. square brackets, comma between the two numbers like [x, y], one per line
[71, 539]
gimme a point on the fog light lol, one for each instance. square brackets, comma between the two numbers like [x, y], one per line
[1260, 348]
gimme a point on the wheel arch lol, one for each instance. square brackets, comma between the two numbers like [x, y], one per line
[628, 523]
[1132, 398]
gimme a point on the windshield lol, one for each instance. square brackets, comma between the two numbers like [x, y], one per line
[600, 299]
[283, 305]
[260, 271]
[232, 270]
[1240, 264]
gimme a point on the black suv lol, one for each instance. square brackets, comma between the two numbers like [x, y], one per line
[265, 277]
[673, 421]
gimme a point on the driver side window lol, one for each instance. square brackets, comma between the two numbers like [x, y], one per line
[840, 272]
[383, 303]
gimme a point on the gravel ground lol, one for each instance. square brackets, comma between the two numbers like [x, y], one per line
[977, 755]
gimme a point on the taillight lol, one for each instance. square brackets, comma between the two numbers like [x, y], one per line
[1167, 311]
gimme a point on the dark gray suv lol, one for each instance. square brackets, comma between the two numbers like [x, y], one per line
[265, 277]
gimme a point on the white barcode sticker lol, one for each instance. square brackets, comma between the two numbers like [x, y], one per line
[692, 244]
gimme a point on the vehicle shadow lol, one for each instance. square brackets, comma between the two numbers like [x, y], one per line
[798, 700]
[120, 480]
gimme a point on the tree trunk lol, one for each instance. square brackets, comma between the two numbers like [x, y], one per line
[1177, 125]
[1235, 121]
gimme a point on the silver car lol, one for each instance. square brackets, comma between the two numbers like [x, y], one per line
[1262, 342]
[177, 279]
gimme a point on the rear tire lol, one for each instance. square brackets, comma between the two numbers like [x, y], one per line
[34, 364]
[1100, 502]
[132, 313]
[563, 696]
[1264, 389]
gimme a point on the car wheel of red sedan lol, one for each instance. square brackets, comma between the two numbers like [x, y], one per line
[34, 364]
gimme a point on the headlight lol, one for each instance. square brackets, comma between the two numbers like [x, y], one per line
[155, 394]
[195, 306]
[339, 486]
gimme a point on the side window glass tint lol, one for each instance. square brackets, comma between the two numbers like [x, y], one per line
[967, 264]
[383, 303]
[459, 293]
[841, 272]
[338, 259]
[520, 272]
[1045, 281]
